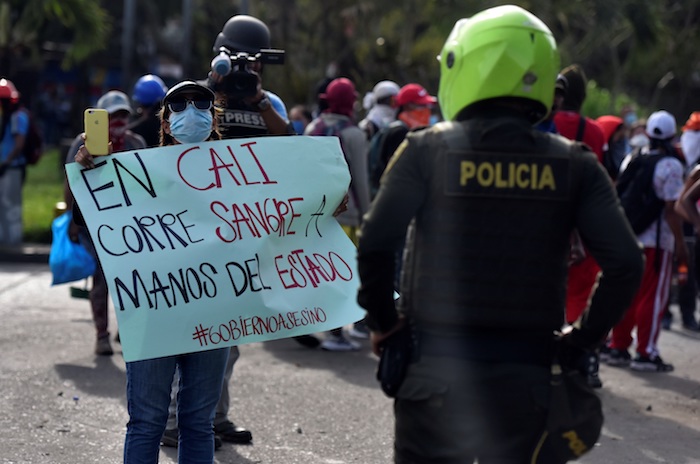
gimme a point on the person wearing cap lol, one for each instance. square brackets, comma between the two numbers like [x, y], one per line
[380, 106]
[337, 120]
[257, 114]
[121, 139]
[188, 115]
[484, 271]
[568, 119]
[148, 93]
[571, 124]
[414, 107]
[661, 240]
[547, 125]
[616, 143]
[14, 127]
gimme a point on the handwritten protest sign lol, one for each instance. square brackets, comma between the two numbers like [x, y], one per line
[221, 243]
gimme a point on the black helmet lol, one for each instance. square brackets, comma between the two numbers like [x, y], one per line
[243, 33]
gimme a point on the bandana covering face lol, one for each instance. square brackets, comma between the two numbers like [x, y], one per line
[420, 117]
[639, 140]
[382, 115]
[117, 129]
[191, 125]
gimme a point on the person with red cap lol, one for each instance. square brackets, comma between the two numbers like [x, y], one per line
[14, 127]
[337, 120]
[414, 107]
[616, 143]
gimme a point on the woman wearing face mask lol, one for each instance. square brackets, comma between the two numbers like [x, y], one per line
[187, 116]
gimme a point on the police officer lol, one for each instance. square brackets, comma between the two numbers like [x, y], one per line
[493, 202]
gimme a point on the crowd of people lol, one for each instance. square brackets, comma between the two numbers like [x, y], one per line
[488, 266]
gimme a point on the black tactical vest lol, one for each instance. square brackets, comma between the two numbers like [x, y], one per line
[240, 120]
[492, 249]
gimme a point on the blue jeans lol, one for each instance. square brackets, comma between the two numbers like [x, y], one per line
[148, 396]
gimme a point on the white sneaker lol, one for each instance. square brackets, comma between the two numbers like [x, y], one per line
[339, 343]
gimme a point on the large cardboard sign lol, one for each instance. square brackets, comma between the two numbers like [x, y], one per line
[221, 243]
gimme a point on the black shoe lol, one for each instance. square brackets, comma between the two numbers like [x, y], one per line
[170, 439]
[666, 322]
[691, 325]
[604, 353]
[593, 381]
[649, 364]
[619, 358]
[228, 431]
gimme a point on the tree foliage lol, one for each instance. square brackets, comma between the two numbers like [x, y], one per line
[632, 49]
[25, 24]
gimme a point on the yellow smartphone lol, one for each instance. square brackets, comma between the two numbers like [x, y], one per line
[97, 131]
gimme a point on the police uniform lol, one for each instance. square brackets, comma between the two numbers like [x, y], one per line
[493, 202]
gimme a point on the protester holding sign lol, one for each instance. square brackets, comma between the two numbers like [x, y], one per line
[188, 116]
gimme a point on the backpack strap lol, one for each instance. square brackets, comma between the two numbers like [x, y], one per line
[581, 128]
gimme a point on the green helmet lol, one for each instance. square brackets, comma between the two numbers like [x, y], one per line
[504, 51]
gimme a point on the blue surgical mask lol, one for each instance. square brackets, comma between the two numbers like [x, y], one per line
[298, 127]
[630, 118]
[191, 125]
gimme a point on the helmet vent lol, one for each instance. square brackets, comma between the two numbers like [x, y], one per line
[529, 78]
[532, 37]
[450, 60]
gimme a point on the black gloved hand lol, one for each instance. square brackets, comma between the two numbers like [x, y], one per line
[574, 357]
[3, 169]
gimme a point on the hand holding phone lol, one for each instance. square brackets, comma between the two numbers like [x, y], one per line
[97, 131]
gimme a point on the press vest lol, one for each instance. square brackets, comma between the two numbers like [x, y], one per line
[240, 120]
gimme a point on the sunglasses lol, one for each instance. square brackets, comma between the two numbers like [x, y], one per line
[178, 106]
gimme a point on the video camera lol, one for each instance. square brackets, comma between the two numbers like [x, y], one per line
[238, 81]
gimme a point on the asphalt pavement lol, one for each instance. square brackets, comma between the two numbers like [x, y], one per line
[62, 404]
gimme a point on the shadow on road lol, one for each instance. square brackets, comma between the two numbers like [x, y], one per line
[640, 434]
[103, 379]
[357, 367]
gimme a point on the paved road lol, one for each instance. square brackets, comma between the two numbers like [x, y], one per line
[61, 404]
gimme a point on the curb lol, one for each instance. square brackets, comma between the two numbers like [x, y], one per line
[37, 253]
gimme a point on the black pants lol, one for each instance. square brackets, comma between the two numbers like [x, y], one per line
[453, 411]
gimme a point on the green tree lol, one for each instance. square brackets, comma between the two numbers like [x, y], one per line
[24, 23]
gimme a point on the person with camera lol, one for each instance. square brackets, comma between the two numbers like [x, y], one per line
[243, 48]
[245, 110]
[492, 202]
